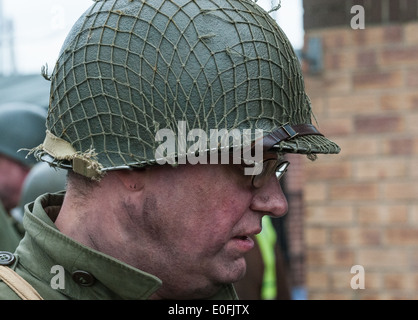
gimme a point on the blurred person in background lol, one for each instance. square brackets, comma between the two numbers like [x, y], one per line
[21, 125]
[41, 179]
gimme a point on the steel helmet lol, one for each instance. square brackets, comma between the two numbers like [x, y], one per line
[22, 125]
[40, 179]
[130, 68]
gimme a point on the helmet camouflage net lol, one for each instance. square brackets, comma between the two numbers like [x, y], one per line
[129, 68]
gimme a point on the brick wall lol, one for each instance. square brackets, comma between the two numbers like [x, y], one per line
[361, 206]
[294, 221]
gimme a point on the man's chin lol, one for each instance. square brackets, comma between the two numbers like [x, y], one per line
[234, 272]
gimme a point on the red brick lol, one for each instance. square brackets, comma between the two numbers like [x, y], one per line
[340, 280]
[318, 280]
[401, 56]
[347, 105]
[411, 33]
[369, 236]
[343, 236]
[400, 190]
[336, 126]
[318, 105]
[377, 35]
[378, 80]
[411, 102]
[335, 257]
[411, 126]
[315, 257]
[414, 259]
[393, 33]
[370, 36]
[296, 179]
[373, 281]
[354, 147]
[402, 236]
[413, 215]
[412, 77]
[329, 215]
[316, 191]
[398, 281]
[340, 60]
[333, 61]
[377, 169]
[338, 83]
[367, 59]
[383, 258]
[383, 215]
[341, 257]
[326, 170]
[316, 236]
[354, 191]
[399, 146]
[378, 124]
[336, 38]
[392, 101]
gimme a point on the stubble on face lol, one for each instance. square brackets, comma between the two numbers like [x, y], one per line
[187, 229]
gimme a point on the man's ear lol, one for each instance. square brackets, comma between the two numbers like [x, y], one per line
[133, 180]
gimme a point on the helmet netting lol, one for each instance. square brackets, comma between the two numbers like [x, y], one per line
[130, 68]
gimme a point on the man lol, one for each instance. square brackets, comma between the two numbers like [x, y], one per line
[141, 90]
[21, 125]
[40, 179]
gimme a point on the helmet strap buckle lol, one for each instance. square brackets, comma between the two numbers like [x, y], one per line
[289, 130]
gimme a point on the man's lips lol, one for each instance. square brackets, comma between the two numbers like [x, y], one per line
[247, 234]
[243, 241]
[242, 237]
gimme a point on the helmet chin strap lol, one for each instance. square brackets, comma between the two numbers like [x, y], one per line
[62, 151]
[287, 132]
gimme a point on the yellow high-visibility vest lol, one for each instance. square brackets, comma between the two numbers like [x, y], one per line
[266, 240]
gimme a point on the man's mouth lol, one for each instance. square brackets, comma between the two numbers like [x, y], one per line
[241, 237]
[243, 243]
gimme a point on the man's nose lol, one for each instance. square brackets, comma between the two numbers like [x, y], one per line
[270, 199]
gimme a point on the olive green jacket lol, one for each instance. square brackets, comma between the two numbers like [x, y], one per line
[10, 231]
[88, 274]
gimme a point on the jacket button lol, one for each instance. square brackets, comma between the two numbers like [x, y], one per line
[83, 278]
[6, 258]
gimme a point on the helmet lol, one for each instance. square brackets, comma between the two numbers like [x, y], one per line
[40, 179]
[22, 125]
[130, 68]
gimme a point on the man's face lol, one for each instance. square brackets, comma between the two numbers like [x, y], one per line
[198, 220]
[12, 176]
